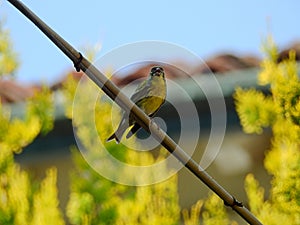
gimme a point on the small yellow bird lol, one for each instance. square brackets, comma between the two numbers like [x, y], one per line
[149, 96]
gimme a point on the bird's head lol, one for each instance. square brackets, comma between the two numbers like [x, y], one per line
[157, 71]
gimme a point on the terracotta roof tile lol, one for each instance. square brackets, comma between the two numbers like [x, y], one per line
[11, 91]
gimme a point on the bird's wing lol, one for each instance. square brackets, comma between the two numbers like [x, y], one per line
[141, 91]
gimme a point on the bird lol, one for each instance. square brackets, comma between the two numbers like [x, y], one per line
[149, 96]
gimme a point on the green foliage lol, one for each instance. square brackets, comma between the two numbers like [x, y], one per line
[280, 111]
[212, 212]
[16, 133]
[192, 217]
[41, 107]
[45, 202]
[256, 110]
[155, 204]
[22, 201]
[8, 58]
[97, 200]
[12, 132]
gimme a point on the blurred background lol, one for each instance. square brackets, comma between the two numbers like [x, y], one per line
[227, 35]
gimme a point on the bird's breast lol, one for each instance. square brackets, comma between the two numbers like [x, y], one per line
[150, 104]
[158, 88]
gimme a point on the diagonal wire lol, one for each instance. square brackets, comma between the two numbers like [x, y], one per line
[123, 101]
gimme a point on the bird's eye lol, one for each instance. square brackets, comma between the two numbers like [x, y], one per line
[156, 69]
[153, 69]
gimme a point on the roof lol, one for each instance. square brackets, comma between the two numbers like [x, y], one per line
[221, 64]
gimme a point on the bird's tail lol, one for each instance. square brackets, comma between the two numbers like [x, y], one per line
[133, 130]
[113, 136]
[119, 132]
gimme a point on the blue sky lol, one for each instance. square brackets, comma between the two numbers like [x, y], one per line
[204, 27]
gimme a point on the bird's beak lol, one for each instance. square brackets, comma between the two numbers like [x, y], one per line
[158, 73]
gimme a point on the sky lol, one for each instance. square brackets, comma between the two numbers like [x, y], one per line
[203, 27]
